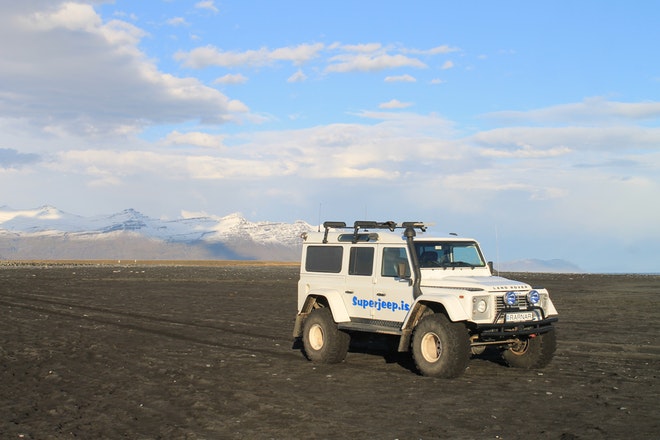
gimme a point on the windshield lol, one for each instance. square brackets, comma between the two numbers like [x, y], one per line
[449, 254]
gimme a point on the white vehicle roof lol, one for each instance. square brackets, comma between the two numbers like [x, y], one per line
[375, 237]
[387, 232]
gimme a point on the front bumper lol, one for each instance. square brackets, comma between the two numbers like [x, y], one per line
[493, 332]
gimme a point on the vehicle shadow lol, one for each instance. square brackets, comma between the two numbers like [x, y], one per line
[386, 346]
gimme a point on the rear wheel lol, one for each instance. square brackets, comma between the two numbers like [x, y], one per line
[532, 352]
[440, 348]
[322, 341]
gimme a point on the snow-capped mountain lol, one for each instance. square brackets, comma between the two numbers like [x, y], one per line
[46, 233]
[49, 233]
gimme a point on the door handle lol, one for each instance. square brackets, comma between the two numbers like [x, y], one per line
[380, 294]
[349, 292]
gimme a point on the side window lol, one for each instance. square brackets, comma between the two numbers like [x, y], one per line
[392, 258]
[361, 261]
[323, 259]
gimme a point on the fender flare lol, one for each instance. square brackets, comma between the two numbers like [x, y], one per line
[449, 303]
[334, 301]
[435, 303]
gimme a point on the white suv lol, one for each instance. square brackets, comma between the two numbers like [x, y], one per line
[437, 294]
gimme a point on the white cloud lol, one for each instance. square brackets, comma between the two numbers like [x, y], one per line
[526, 151]
[195, 214]
[70, 16]
[443, 49]
[338, 58]
[447, 65]
[298, 54]
[592, 110]
[195, 138]
[299, 76]
[387, 150]
[361, 48]
[438, 50]
[359, 57]
[207, 4]
[587, 138]
[494, 181]
[211, 56]
[394, 104]
[370, 63]
[177, 21]
[221, 168]
[230, 78]
[375, 57]
[68, 72]
[400, 78]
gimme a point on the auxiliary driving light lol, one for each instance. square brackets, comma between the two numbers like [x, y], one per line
[510, 298]
[533, 296]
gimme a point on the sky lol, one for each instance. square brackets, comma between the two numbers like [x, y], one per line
[531, 126]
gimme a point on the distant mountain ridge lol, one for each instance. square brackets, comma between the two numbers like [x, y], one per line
[536, 265]
[47, 233]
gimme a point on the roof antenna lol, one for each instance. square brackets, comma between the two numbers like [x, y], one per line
[319, 223]
[497, 250]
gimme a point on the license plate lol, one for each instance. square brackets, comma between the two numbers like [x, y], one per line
[519, 316]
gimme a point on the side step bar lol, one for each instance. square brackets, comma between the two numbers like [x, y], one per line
[376, 327]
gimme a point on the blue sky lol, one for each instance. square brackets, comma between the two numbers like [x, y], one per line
[533, 126]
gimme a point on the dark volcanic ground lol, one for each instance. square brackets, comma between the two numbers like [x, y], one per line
[147, 352]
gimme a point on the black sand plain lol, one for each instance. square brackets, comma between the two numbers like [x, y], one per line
[154, 351]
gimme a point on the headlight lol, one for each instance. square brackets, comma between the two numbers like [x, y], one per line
[480, 306]
[510, 298]
[533, 296]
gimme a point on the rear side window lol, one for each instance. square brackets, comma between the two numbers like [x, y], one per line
[361, 261]
[323, 259]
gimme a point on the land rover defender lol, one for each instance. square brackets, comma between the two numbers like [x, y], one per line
[438, 295]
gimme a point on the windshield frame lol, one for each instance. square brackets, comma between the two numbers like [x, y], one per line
[446, 257]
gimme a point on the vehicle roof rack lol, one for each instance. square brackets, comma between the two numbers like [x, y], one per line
[362, 224]
[419, 225]
[367, 224]
[331, 225]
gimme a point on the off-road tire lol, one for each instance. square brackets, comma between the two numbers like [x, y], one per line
[440, 348]
[531, 353]
[322, 341]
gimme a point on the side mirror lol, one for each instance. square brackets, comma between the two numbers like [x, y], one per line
[402, 272]
[490, 266]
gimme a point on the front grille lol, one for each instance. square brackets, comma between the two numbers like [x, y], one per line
[521, 302]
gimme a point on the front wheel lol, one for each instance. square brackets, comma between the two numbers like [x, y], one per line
[532, 352]
[440, 348]
[322, 341]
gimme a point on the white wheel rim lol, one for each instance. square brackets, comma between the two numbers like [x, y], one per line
[431, 347]
[316, 337]
[520, 349]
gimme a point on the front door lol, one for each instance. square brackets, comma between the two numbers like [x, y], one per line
[393, 295]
